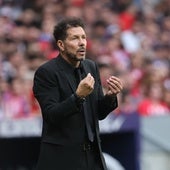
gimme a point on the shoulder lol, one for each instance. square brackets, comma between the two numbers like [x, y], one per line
[46, 72]
[48, 66]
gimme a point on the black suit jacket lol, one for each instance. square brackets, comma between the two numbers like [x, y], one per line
[54, 85]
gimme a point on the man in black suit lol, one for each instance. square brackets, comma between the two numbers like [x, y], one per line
[70, 95]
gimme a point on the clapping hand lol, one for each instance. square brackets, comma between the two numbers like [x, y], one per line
[85, 86]
[115, 86]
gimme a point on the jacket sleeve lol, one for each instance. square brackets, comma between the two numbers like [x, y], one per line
[47, 92]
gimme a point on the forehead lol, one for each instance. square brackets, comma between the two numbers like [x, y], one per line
[78, 31]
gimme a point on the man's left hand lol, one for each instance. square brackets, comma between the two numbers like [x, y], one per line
[115, 86]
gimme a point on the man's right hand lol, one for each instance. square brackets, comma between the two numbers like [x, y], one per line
[85, 86]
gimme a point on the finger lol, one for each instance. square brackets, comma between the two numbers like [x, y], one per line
[116, 78]
[114, 84]
[90, 79]
[89, 85]
[113, 78]
[114, 88]
[115, 81]
[88, 75]
[91, 82]
[110, 92]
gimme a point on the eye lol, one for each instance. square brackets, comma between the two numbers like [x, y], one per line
[74, 38]
[84, 37]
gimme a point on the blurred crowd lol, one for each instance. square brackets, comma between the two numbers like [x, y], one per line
[129, 39]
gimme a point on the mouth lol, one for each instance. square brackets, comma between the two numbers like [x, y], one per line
[81, 51]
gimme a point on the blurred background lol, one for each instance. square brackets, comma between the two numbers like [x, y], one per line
[127, 38]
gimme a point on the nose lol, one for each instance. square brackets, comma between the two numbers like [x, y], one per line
[82, 42]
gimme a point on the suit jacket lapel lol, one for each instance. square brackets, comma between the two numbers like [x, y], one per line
[70, 78]
[65, 70]
[85, 67]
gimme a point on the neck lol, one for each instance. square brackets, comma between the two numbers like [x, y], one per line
[74, 63]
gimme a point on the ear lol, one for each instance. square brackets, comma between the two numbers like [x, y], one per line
[60, 45]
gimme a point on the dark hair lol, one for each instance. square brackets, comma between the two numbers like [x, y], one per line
[60, 30]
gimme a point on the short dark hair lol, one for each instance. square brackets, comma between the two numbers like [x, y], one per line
[60, 30]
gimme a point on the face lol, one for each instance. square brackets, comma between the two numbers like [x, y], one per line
[73, 48]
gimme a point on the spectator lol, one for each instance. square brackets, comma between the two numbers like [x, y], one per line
[153, 103]
[14, 101]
